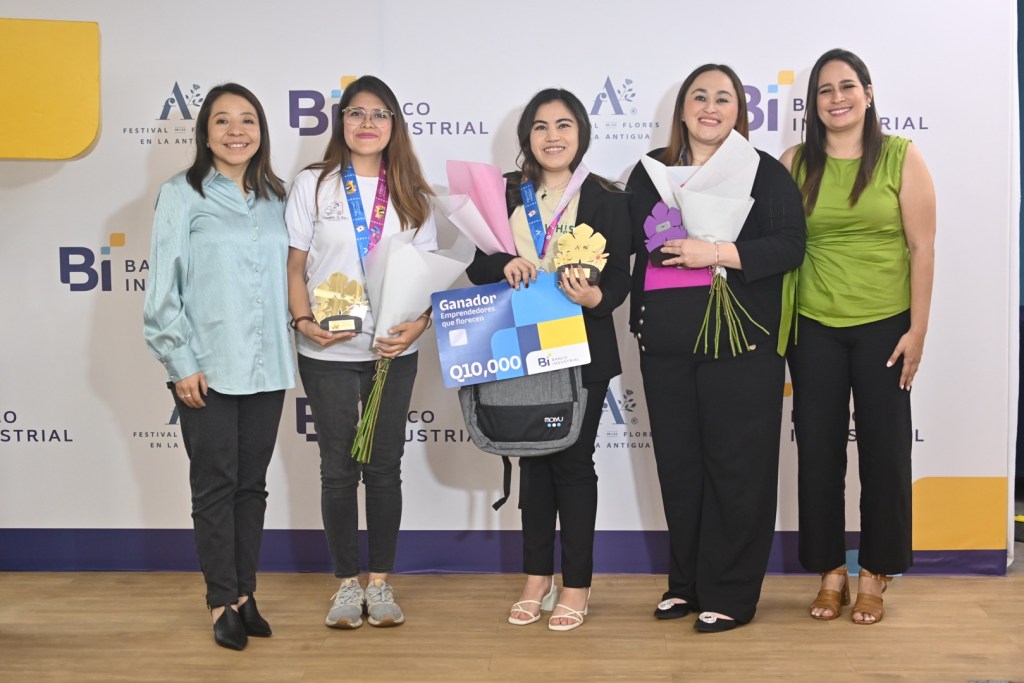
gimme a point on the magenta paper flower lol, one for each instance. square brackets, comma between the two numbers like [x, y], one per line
[665, 223]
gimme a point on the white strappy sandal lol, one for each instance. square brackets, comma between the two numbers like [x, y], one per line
[575, 617]
[547, 603]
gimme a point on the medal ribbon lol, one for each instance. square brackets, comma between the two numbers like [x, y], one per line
[542, 237]
[367, 235]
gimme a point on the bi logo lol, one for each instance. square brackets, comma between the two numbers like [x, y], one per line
[80, 271]
[311, 104]
[763, 109]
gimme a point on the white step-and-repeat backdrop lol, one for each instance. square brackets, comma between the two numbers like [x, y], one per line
[92, 473]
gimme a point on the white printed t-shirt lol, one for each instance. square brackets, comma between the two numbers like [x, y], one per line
[330, 242]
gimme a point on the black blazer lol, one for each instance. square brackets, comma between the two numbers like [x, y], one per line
[606, 212]
[771, 242]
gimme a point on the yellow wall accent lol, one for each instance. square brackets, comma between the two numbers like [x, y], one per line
[50, 99]
[960, 513]
[562, 332]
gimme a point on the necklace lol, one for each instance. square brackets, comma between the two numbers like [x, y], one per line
[544, 189]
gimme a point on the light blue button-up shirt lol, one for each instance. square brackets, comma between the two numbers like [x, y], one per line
[217, 292]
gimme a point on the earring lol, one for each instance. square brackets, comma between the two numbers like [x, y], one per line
[869, 106]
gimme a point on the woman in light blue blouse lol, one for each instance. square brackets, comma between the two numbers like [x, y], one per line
[216, 316]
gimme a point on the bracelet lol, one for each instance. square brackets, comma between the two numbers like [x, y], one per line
[295, 321]
[716, 255]
[430, 321]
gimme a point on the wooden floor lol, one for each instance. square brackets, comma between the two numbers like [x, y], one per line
[152, 626]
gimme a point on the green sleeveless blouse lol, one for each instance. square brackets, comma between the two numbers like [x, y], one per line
[857, 266]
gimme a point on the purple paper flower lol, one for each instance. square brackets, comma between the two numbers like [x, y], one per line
[664, 223]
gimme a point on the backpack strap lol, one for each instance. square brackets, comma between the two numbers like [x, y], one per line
[506, 482]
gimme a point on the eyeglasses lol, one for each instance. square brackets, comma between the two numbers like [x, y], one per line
[356, 116]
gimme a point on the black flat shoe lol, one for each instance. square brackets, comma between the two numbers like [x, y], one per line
[229, 631]
[709, 623]
[255, 624]
[667, 609]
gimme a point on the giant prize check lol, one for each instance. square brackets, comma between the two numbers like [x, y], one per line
[494, 332]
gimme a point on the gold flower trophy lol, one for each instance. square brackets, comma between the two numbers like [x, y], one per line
[341, 304]
[582, 249]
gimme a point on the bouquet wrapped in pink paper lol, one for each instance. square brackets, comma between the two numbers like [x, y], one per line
[476, 205]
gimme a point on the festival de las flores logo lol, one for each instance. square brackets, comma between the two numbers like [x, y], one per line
[620, 427]
[16, 428]
[175, 121]
[161, 436]
[312, 112]
[107, 269]
[614, 115]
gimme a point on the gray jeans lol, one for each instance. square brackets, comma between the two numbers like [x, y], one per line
[335, 390]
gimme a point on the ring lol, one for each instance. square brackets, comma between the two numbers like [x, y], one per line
[187, 396]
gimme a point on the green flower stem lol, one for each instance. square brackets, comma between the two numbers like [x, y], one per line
[723, 301]
[362, 447]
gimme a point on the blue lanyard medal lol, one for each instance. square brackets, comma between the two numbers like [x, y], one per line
[367, 234]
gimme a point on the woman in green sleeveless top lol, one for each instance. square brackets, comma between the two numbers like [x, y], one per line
[863, 295]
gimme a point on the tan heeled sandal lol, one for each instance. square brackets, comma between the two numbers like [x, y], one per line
[830, 599]
[867, 604]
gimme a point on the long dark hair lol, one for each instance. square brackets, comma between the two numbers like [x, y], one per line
[679, 141]
[409, 190]
[527, 162]
[259, 176]
[812, 156]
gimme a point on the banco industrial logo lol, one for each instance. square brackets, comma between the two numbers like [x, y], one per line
[84, 269]
[764, 113]
[14, 429]
[422, 425]
[312, 111]
[614, 115]
[851, 432]
[763, 105]
[174, 121]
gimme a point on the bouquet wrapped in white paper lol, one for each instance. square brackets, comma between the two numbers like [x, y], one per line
[400, 280]
[714, 202]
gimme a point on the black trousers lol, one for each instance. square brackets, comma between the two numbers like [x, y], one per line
[229, 444]
[826, 365]
[563, 485]
[715, 426]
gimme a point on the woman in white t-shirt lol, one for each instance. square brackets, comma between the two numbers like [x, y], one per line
[368, 186]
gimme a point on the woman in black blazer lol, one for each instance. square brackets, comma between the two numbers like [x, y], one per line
[715, 421]
[554, 134]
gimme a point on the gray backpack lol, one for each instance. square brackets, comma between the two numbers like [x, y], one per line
[525, 416]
